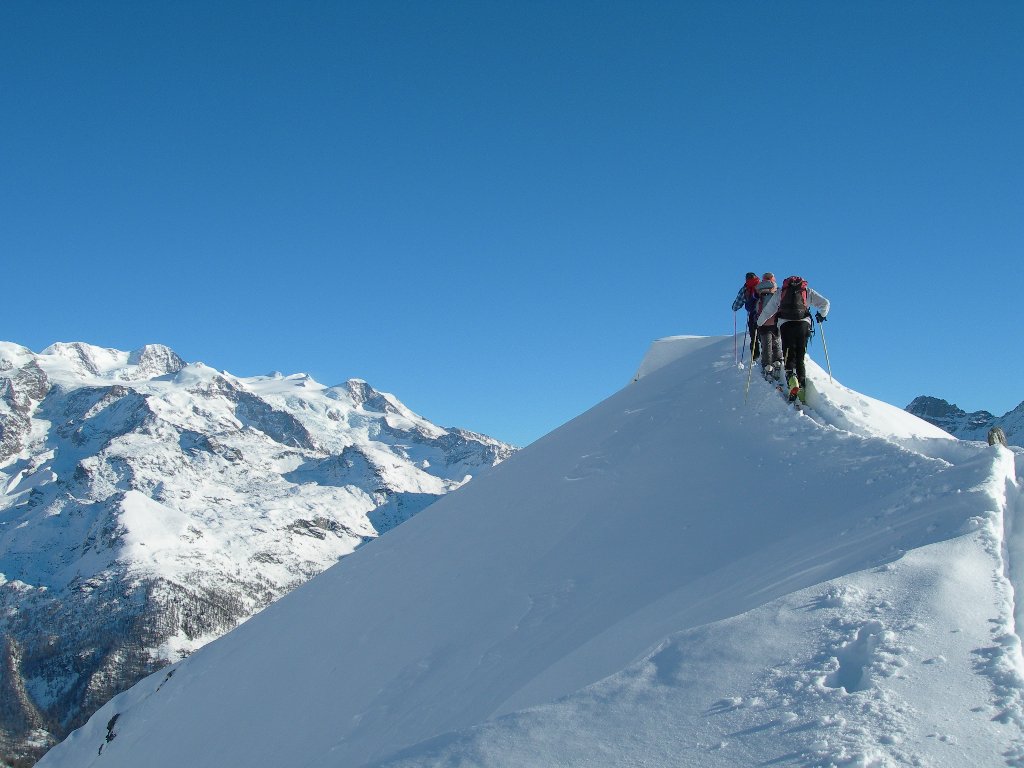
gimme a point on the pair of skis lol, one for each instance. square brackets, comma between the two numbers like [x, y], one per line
[796, 394]
[789, 387]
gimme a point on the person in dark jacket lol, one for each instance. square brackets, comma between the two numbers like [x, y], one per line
[746, 297]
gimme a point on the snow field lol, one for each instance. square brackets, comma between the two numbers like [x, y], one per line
[853, 672]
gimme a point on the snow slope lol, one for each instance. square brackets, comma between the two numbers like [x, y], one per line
[675, 577]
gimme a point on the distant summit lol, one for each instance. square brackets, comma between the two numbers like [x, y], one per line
[154, 360]
[148, 505]
[968, 426]
[82, 361]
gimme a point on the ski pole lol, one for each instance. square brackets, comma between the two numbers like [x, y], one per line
[750, 370]
[735, 352]
[824, 346]
[744, 338]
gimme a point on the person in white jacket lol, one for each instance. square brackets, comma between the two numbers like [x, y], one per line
[790, 308]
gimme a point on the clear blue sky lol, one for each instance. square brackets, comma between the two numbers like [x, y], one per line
[491, 208]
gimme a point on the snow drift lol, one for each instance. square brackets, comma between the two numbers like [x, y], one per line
[675, 577]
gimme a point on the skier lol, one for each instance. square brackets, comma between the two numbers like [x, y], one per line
[768, 334]
[747, 297]
[791, 309]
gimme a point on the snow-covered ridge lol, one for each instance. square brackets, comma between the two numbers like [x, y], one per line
[680, 576]
[148, 505]
[77, 362]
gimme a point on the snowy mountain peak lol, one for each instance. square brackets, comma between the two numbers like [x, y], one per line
[365, 396]
[620, 588]
[936, 408]
[148, 505]
[154, 360]
[85, 359]
[74, 362]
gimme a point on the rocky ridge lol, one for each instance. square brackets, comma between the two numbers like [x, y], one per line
[968, 426]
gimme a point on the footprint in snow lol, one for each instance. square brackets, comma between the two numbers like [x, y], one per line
[725, 705]
[855, 658]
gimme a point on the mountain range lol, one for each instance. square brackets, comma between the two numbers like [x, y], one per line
[148, 506]
[691, 573]
[968, 426]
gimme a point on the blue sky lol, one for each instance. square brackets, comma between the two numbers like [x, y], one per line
[491, 208]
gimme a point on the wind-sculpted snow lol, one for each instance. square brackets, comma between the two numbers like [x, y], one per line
[149, 506]
[678, 577]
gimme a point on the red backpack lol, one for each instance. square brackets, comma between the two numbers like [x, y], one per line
[793, 300]
[750, 302]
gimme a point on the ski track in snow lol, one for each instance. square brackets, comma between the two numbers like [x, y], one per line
[871, 622]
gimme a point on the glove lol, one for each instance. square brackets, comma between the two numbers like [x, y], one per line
[820, 317]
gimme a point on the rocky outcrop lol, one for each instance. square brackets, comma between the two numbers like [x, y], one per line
[22, 385]
[968, 426]
[154, 360]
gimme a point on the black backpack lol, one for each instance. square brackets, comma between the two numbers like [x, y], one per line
[793, 301]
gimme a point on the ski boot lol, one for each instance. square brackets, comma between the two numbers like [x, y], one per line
[793, 386]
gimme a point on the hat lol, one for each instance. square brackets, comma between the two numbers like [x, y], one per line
[750, 275]
[768, 276]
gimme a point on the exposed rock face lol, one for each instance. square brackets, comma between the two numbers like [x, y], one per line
[21, 386]
[968, 426]
[154, 360]
[148, 506]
